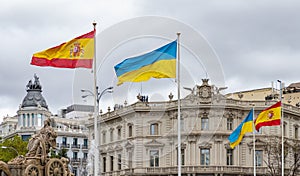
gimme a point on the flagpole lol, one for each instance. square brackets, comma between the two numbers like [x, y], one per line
[178, 103]
[282, 131]
[254, 152]
[96, 158]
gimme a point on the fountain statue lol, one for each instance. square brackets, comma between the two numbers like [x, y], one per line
[37, 161]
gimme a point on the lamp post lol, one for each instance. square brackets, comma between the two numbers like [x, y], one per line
[96, 114]
[5, 147]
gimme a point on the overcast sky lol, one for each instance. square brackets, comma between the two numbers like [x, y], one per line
[257, 41]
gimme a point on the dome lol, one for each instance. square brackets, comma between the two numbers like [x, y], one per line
[34, 97]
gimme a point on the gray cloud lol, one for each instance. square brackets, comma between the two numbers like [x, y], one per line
[257, 41]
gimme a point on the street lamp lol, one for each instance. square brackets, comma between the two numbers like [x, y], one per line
[5, 147]
[96, 114]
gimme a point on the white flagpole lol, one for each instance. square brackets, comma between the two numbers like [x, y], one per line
[178, 103]
[282, 131]
[96, 158]
[254, 152]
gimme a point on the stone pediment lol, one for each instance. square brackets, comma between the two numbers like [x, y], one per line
[118, 147]
[258, 143]
[110, 149]
[129, 145]
[154, 143]
[205, 145]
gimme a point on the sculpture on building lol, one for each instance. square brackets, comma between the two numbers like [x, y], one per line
[37, 162]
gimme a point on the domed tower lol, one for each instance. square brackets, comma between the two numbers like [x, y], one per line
[34, 109]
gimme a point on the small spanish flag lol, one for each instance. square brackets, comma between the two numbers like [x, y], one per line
[269, 117]
[78, 52]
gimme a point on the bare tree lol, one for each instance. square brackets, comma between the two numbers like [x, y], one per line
[291, 156]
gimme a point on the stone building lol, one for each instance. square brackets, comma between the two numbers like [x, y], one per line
[72, 133]
[141, 139]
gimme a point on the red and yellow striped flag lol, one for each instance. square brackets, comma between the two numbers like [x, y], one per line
[269, 117]
[79, 52]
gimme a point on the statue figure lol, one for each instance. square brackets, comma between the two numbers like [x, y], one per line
[29, 85]
[37, 84]
[39, 145]
[65, 162]
[4, 168]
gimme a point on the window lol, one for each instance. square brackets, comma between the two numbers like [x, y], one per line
[259, 157]
[75, 155]
[75, 141]
[24, 120]
[182, 156]
[296, 132]
[204, 157]
[154, 129]
[111, 163]
[204, 123]
[85, 155]
[85, 142]
[154, 158]
[130, 130]
[28, 120]
[32, 118]
[104, 137]
[111, 135]
[229, 123]
[64, 141]
[104, 164]
[229, 157]
[119, 133]
[119, 162]
[39, 118]
[284, 129]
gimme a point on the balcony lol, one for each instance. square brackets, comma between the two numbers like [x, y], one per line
[64, 145]
[84, 147]
[75, 146]
[84, 160]
[75, 160]
[208, 170]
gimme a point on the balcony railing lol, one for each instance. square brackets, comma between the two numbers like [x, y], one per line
[84, 147]
[188, 169]
[75, 160]
[64, 145]
[75, 146]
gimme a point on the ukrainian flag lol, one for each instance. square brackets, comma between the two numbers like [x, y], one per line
[246, 126]
[160, 63]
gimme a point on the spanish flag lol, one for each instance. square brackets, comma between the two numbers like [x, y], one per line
[245, 127]
[79, 52]
[159, 63]
[269, 117]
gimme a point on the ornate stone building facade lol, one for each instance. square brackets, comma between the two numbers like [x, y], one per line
[141, 139]
[71, 133]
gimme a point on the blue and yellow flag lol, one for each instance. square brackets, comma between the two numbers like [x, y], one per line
[246, 126]
[160, 63]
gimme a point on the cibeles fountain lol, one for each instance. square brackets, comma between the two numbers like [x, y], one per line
[37, 161]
